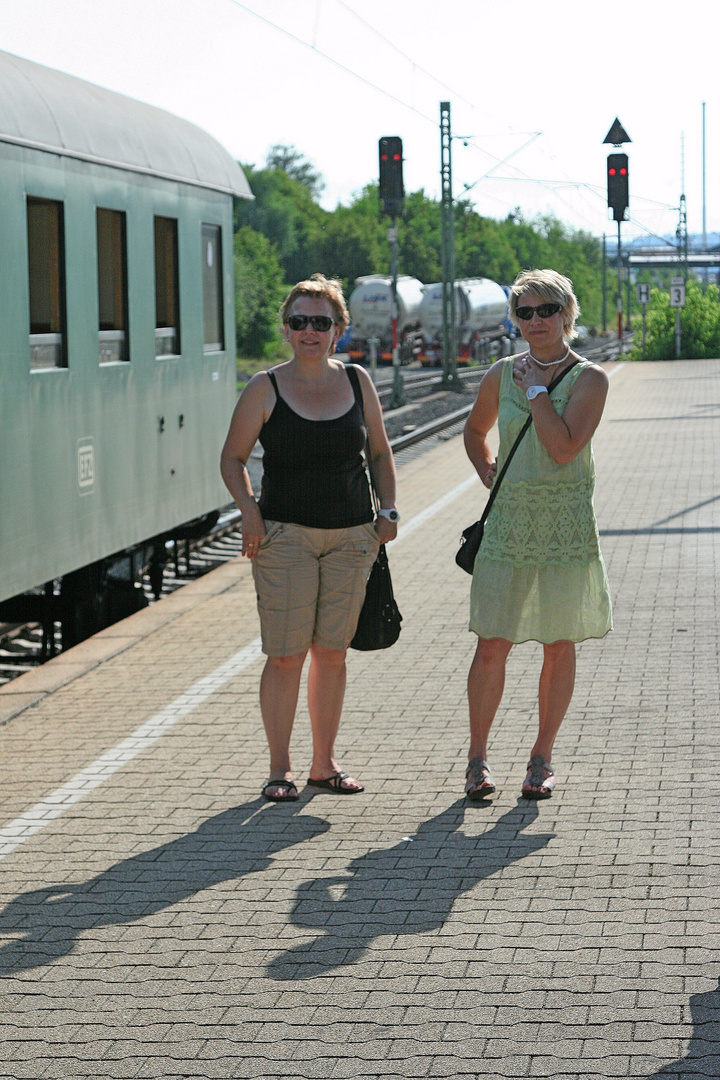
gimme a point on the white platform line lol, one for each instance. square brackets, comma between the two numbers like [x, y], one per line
[92, 776]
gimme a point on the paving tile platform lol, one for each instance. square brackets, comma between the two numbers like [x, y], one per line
[159, 919]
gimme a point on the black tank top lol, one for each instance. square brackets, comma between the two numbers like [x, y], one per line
[313, 472]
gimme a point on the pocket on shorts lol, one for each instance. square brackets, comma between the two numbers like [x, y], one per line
[369, 528]
[272, 529]
[362, 540]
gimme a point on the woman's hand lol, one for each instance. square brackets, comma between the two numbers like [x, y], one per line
[386, 530]
[489, 478]
[253, 530]
[527, 373]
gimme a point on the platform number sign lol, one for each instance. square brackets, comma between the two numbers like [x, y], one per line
[677, 293]
[643, 293]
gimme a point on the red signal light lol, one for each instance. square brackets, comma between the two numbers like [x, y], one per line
[623, 172]
[611, 172]
[391, 188]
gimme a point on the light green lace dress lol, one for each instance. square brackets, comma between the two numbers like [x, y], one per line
[539, 574]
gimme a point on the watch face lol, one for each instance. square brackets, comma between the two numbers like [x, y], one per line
[394, 516]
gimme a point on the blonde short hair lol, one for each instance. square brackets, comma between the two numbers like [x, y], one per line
[551, 287]
[319, 288]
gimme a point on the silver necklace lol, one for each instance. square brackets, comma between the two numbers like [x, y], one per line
[552, 362]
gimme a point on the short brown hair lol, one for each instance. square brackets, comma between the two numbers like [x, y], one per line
[551, 287]
[319, 288]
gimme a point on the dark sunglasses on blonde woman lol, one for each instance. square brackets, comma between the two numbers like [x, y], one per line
[545, 311]
[318, 322]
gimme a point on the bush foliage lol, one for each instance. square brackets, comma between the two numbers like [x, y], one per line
[699, 325]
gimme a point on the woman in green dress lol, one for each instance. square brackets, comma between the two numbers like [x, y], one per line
[539, 574]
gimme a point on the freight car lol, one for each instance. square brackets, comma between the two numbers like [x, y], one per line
[480, 313]
[371, 311]
[117, 350]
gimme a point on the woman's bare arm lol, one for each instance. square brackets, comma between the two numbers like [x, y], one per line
[253, 408]
[382, 463]
[565, 436]
[481, 419]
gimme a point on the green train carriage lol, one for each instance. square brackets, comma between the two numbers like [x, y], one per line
[117, 337]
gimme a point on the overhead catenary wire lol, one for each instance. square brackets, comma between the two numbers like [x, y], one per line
[470, 141]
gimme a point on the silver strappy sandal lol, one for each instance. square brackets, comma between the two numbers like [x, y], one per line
[540, 779]
[480, 783]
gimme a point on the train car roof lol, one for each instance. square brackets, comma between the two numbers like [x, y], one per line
[48, 110]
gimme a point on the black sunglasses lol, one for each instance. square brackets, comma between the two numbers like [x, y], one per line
[318, 322]
[545, 311]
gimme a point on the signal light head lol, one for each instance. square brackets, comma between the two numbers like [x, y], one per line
[392, 190]
[617, 184]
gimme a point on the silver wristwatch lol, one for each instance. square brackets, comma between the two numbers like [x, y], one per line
[533, 391]
[391, 515]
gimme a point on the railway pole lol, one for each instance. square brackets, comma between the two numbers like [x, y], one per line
[373, 344]
[604, 283]
[398, 396]
[619, 289]
[450, 380]
[392, 194]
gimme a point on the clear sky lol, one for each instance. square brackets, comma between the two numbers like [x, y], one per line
[542, 83]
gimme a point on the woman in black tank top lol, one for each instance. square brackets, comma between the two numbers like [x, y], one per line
[311, 535]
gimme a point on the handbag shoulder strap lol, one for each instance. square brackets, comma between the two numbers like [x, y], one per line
[273, 380]
[357, 391]
[356, 388]
[496, 486]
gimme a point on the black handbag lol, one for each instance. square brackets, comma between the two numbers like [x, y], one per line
[379, 623]
[472, 536]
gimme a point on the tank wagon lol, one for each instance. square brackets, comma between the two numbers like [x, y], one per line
[117, 341]
[371, 312]
[480, 311]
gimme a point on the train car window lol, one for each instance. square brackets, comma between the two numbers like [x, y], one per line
[112, 287]
[167, 289]
[46, 273]
[214, 340]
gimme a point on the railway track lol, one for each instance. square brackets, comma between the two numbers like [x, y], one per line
[24, 646]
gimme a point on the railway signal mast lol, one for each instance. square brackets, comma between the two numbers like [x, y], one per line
[392, 193]
[618, 197]
[450, 376]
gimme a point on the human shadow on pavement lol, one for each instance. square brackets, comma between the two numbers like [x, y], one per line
[409, 888]
[703, 1052]
[45, 924]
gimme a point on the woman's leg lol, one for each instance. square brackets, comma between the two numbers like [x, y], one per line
[279, 687]
[486, 682]
[326, 693]
[557, 682]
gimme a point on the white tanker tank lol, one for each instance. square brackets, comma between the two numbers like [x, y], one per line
[370, 307]
[480, 305]
[480, 309]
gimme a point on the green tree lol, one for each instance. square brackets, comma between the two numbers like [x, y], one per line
[699, 325]
[283, 210]
[259, 291]
[297, 166]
